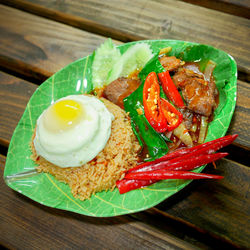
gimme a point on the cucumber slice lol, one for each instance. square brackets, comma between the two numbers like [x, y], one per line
[134, 58]
[104, 59]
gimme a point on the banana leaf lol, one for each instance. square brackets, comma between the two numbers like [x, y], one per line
[76, 79]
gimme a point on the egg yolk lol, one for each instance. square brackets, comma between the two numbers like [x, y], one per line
[63, 115]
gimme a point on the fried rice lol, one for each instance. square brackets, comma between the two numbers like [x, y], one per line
[119, 155]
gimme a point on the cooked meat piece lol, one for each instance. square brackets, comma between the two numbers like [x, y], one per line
[198, 93]
[170, 63]
[187, 117]
[120, 88]
[184, 73]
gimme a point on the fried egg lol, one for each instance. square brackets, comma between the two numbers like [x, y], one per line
[73, 130]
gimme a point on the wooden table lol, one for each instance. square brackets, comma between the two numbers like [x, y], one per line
[40, 37]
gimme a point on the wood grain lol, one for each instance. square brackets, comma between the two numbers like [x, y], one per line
[37, 52]
[240, 122]
[217, 212]
[14, 96]
[154, 19]
[220, 207]
[235, 7]
[25, 224]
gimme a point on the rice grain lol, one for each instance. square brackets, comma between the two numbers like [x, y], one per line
[119, 155]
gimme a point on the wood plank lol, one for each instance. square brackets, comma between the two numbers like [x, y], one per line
[212, 207]
[217, 206]
[239, 8]
[25, 224]
[165, 19]
[37, 52]
[15, 94]
[240, 121]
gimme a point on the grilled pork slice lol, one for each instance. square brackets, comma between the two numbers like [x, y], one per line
[120, 88]
[170, 63]
[184, 73]
[198, 93]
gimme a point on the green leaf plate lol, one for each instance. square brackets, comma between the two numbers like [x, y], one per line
[76, 79]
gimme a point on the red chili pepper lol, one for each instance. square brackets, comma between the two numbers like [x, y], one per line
[151, 103]
[205, 148]
[125, 185]
[179, 160]
[182, 163]
[173, 116]
[170, 89]
[172, 174]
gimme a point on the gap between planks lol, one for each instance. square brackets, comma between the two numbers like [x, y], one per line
[237, 8]
[158, 218]
[91, 26]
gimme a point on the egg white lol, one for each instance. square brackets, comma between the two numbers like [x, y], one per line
[81, 143]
